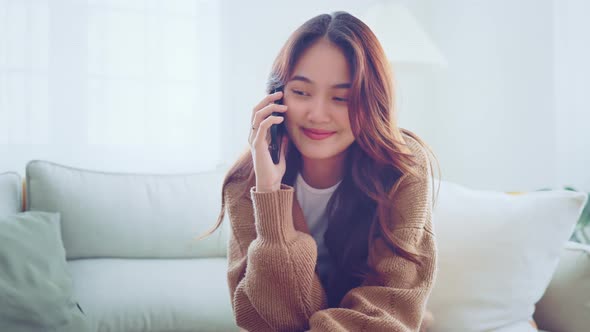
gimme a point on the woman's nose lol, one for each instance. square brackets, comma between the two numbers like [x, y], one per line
[318, 111]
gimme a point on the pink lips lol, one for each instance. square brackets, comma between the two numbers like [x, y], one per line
[317, 134]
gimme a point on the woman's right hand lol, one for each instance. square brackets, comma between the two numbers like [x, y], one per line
[268, 175]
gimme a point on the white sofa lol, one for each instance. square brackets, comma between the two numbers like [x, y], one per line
[129, 243]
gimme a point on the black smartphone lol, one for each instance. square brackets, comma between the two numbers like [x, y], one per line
[276, 133]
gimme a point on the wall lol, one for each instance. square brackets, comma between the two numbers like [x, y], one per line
[491, 115]
[495, 103]
[572, 113]
[253, 33]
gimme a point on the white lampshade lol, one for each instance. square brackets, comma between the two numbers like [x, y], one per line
[400, 34]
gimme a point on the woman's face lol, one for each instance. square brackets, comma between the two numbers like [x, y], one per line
[316, 94]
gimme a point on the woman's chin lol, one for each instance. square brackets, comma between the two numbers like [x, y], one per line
[318, 149]
[319, 153]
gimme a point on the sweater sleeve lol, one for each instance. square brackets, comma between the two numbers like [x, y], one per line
[271, 273]
[396, 299]
[272, 279]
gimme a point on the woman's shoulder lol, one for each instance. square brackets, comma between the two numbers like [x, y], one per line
[413, 194]
[419, 149]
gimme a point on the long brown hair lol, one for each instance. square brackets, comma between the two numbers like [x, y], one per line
[375, 161]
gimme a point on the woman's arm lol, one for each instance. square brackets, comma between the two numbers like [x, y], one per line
[272, 275]
[398, 304]
[271, 272]
[396, 299]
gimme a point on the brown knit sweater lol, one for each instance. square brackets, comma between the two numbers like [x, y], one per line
[272, 260]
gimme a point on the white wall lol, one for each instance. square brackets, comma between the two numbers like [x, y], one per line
[120, 85]
[511, 109]
[507, 113]
[491, 115]
[572, 92]
[494, 104]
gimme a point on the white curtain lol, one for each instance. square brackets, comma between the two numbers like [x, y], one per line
[109, 84]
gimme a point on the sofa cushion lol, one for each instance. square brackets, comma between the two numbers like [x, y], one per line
[519, 326]
[130, 215]
[154, 294]
[565, 306]
[497, 253]
[36, 292]
[10, 193]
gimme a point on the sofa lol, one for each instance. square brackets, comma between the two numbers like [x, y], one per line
[130, 245]
[131, 261]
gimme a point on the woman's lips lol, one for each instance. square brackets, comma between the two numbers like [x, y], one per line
[317, 134]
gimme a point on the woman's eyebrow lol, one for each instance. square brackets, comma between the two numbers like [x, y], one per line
[307, 80]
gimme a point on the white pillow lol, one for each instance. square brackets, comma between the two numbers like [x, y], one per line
[124, 215]
[566, 303]
[496, 254]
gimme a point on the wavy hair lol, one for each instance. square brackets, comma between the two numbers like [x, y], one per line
[376, 160]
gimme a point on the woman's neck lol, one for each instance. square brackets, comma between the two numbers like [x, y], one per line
[323, 173]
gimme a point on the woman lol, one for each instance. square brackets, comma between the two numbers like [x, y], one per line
[338, 235]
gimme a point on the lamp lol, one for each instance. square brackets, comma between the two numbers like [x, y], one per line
[414, 57]
[400, 34]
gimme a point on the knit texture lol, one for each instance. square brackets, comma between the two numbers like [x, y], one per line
[272, 259]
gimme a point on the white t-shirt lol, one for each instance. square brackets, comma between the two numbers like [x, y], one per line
[313, 202]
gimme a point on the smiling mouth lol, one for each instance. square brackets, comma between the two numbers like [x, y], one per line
[317, 135]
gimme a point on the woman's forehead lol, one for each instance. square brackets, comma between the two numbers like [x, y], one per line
[322, 63]
[307, 80]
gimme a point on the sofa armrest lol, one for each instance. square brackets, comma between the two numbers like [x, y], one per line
[564, 306]
[10, 193]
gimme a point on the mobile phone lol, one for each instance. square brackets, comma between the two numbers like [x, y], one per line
[276, 133]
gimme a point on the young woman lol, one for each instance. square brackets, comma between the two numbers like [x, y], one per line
[338, 235]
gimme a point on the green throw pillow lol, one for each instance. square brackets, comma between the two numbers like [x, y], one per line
[35, 285]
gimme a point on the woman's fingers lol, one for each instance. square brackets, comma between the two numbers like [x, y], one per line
[262, 130]
[271, 98]
[266, 106]
[265, 112]
[268, 175]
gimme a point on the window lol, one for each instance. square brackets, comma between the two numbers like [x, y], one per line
[134, 75]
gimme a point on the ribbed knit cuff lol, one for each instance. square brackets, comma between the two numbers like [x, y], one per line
[273, 214]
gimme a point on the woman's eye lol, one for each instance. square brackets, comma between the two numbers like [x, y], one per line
[298, 92]
[340, 99]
